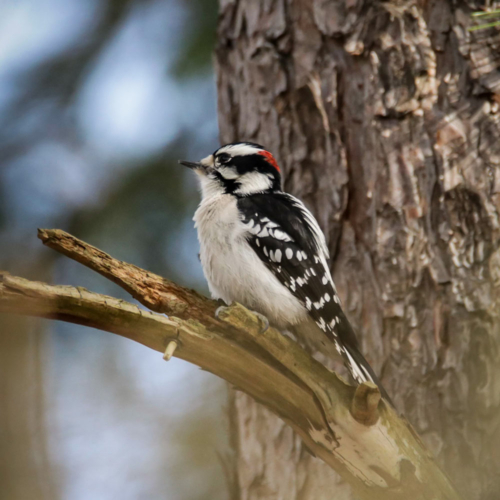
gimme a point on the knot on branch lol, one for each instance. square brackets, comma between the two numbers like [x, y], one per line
[364, 406]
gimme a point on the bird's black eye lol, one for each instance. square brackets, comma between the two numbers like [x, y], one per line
[223, 158]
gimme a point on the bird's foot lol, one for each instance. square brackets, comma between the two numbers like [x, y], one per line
[264, 321]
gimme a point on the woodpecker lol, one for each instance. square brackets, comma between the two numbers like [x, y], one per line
[263, 248]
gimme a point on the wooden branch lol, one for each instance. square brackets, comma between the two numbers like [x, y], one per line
[352, 430]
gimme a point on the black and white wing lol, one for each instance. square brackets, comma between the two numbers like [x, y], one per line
[287, 238]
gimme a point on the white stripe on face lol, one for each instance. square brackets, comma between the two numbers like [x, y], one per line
[253, 182]
[239, 150]
[228, 172]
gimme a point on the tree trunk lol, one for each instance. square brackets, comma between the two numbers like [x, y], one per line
[25, 469]
[384, 119]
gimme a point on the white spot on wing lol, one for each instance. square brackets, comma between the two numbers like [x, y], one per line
[319, 237]
[355, 369]
[263, 233]
[320, 303]
[321, 323]
[337, 346]
[281, 235]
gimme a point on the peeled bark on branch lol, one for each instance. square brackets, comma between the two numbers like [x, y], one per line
[350, 429]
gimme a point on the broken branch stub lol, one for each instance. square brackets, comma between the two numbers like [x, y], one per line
[364, 406]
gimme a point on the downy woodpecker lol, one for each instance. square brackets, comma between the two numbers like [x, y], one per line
[263, 248]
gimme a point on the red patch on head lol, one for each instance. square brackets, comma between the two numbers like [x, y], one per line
[270, 159]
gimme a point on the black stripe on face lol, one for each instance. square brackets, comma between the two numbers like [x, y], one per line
[230, 185]
[256, 163]
[249, 163]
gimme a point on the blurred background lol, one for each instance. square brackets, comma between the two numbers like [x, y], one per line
[98, 100]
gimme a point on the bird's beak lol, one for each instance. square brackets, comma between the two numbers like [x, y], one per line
[191, 164]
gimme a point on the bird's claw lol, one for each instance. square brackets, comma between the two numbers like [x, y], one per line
[219, 310]
[264, 320]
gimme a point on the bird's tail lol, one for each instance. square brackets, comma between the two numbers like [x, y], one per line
[361, 370]
[314, 340]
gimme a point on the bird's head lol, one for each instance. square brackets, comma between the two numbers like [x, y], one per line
[241, 168]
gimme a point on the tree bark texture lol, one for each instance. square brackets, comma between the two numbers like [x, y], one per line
[384, 117]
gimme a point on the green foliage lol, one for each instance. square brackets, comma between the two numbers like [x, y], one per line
[195, 56]
[481, 16]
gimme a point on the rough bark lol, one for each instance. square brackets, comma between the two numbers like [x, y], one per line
[384, 118]
[348, 428]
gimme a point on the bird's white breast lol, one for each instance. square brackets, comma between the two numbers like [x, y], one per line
[233, 270]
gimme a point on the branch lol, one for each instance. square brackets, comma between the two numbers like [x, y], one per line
[352, 430]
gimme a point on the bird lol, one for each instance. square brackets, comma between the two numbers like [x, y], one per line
[262, 247]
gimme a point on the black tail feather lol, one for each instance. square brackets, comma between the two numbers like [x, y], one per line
[360, 369]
